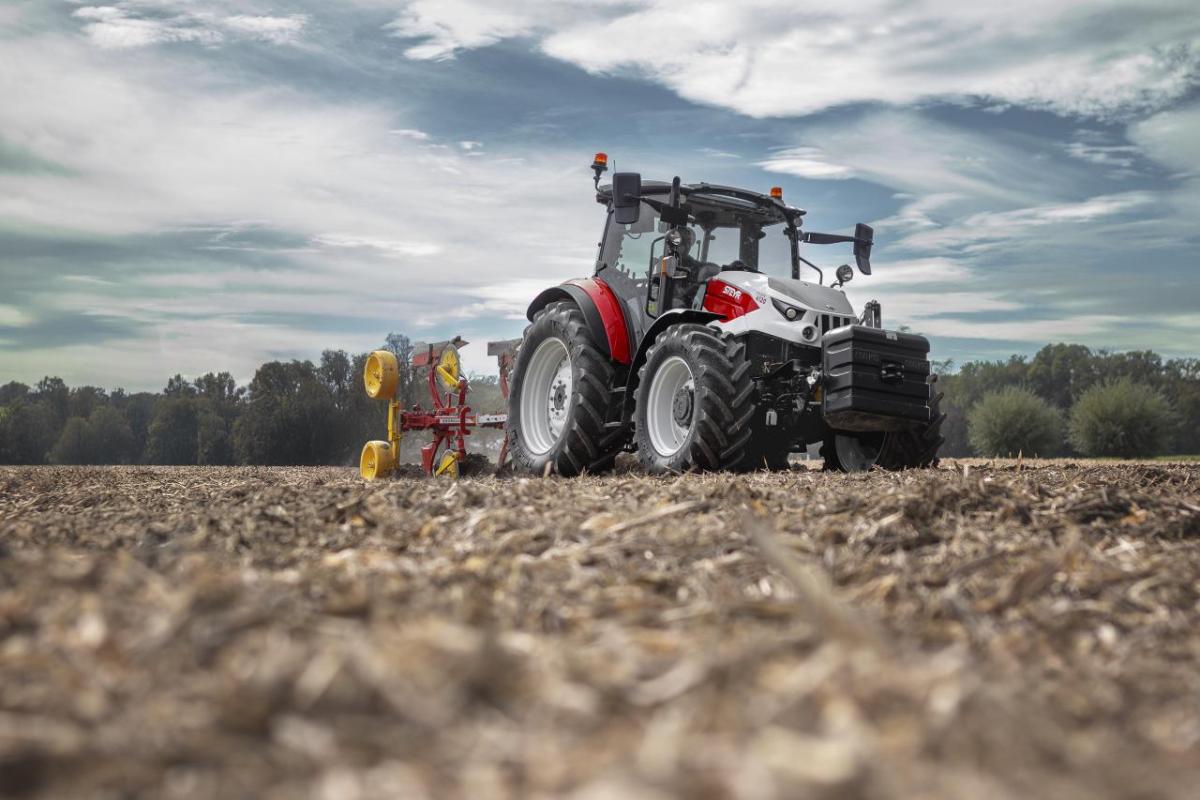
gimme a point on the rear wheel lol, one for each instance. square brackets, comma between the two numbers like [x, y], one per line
[894, 450]
[695, 402]
[558, 400]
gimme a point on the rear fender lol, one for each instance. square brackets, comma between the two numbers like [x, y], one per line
[601, 311]
[665, 320]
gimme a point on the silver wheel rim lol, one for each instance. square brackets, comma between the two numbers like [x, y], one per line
[858, 453]
[671, 385]
[546, 396]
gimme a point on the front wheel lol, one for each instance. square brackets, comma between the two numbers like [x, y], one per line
[695, 402]
[559, 395]
[894, 450]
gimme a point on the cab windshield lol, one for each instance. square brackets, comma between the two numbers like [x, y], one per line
[633, 249]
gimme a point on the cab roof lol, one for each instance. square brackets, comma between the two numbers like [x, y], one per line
[713, 205]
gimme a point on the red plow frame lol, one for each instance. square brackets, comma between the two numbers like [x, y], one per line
[449, 420]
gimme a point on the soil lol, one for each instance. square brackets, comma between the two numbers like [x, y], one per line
[1005, 630]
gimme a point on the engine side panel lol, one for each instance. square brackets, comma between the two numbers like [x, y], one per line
[728, 300]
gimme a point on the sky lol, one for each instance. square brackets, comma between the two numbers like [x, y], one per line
[202, 186]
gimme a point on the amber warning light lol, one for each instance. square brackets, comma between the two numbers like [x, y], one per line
[599, 167]
[777, 192]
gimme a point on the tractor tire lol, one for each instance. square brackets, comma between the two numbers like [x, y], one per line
[897, 450]
[558, 398]
[695, 402]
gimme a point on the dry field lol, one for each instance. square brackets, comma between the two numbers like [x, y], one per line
[976, 631]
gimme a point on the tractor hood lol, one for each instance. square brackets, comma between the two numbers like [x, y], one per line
[818, 298]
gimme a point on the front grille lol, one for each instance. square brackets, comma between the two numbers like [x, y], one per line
[829, 322]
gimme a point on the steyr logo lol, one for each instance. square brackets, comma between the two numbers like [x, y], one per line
[733, 292]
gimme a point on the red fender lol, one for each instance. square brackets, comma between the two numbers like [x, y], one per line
[601, 309]
[611, 315]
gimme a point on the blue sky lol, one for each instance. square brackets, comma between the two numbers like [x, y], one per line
[195, 186]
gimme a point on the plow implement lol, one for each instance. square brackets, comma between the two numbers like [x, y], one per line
[449, 419]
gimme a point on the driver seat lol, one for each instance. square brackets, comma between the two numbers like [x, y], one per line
[699, 280]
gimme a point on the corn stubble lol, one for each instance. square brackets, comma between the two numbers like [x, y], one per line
[986, 631]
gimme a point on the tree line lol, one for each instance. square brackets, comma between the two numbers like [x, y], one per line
[1071, 400]
[1062, 401]
[292, 412]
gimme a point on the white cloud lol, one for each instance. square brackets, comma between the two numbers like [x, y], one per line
[1120, 156]
[276, 30]
[1172, 138]
[139, 24]
[712, 152]
[805, 162]
[447, 26]
[774, 58]
[376, 224]
[12, 316]
[900, 307]
[943, 271]
[986, 230]
[916, 155]
[410, 133]
[392, 247]
[1034, 331]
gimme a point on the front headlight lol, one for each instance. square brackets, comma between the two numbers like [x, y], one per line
[790, 313]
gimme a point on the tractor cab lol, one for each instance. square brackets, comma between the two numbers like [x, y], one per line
[723, 229]
[704, 232]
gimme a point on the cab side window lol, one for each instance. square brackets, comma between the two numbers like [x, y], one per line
[627, 247]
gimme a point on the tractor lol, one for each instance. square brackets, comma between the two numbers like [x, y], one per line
[689, 348]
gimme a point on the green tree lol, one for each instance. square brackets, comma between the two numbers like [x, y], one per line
[83, 400]
[1060, 373]
[402, 348]
[337, 372]
[1014, 421]
[27, 432]
[53, 392]
[220, 402]
[964, 388]
[111, 437]
[1182, 390]
[139, 412]
[75, 445]
[213, 442]
[173, 433]
[1121, 418]
[13, 391]
[178, 386]
[220, 389]
[291, 417]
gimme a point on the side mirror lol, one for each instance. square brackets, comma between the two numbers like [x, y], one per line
[627, 197]
[864, 237]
